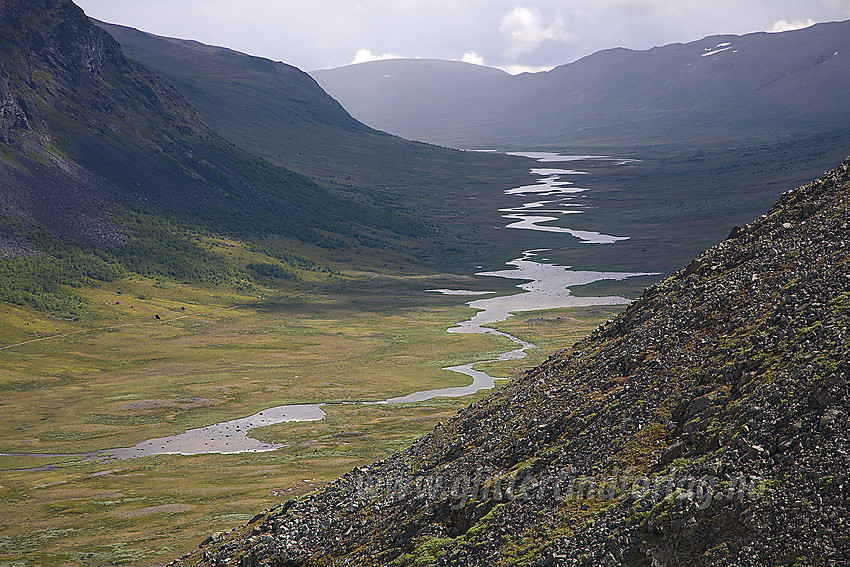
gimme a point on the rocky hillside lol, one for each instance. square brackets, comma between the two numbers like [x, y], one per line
[706, 425]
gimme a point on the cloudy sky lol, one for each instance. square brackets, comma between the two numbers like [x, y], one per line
[514, 35]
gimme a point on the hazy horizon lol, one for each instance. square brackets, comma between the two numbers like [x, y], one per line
[534, 35]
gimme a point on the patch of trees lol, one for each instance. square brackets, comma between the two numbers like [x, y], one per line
[272, 271]
[36, 281]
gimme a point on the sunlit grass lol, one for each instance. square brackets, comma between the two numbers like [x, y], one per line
[217, 354]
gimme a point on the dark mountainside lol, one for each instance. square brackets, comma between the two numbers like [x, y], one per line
[84, 129]
[720, 89]
[279, 112]
[247, 98]
[705, 425]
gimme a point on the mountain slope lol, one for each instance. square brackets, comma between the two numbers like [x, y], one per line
[279, 112]
[423, 97]
[241, 93]
[721, 88]
[705, 425]
[84, 129]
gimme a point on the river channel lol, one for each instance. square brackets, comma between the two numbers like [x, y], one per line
[545, 286]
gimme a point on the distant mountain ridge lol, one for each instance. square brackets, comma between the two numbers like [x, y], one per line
[754, 86]
[305, 101]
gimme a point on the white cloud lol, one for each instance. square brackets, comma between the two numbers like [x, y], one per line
[365, 55]
[524, 31]
[472, 57]
[519, 69]
[784, 25]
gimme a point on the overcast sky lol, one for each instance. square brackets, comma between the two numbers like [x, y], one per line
[514, 35]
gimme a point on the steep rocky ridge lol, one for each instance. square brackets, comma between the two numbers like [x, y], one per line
[705, 425]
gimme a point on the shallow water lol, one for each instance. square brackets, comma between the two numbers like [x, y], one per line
[226, 437]
[459, 292]
[552, 184]
[547, 286]
[549, 185]
[550, 157]
[531, 222]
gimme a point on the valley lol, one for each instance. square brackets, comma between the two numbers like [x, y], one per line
[340, 337]
[239, 326]
[360, 339]
[152, 362]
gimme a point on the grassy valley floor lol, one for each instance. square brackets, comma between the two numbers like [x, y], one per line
[119, 376]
